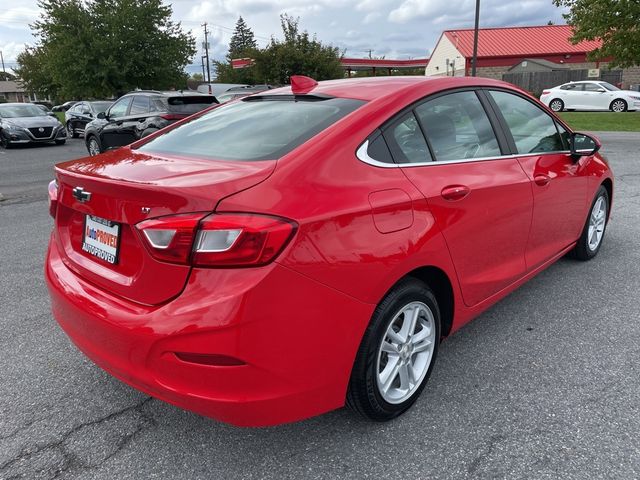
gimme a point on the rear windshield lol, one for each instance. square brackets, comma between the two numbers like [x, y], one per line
[260, 129]
[184, 104]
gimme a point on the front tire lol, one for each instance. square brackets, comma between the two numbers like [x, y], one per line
[618, 106]
[592, 235]
[93, 146]
[72, 131]
[397, 352]
[4, 142]
[556, 105]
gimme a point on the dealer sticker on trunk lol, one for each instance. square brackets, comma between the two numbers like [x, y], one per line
[101, 238]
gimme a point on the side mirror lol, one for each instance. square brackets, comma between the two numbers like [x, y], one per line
[51, 114]
[103, 116]
[86, 112]
[601, 90]
[583, 145]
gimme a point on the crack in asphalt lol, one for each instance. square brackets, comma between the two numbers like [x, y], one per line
[494, 440]
[70, 460]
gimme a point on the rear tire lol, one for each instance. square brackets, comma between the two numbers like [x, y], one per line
[592, 235]
[397, 352]
[618, 105]
[556, 105]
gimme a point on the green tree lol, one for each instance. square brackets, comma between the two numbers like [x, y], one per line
[298, 54]
[242, 45]
[99, 48]
[615, 22]
[242, 41]
[197, 76]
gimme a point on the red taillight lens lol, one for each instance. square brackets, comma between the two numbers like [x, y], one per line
[170, 238]
[240, 240]
[53, 198]
[218, 240]
[174, 116]
[546, 92]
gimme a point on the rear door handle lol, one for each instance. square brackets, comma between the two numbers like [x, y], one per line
[542, 180]
[455, 192]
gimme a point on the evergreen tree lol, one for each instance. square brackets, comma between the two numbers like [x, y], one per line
[242, 41]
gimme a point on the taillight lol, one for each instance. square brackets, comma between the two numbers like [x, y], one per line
[218, 240]
[546, 92]
[240, 239]
[53, 197]
[170, 238]
[174, 116]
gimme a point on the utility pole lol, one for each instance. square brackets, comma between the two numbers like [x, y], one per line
[206, 51]
[474, 60]
[2, 58]
[203, 73]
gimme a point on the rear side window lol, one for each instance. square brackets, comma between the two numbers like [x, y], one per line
[406, 135]
[533, 130]
[139, 105]
[572, 86]
[261, 129]
[457, 127]
[189, 104]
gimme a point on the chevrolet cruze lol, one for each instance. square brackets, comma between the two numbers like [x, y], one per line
[308, 247]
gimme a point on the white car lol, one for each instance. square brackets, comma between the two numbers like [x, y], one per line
[594, 95]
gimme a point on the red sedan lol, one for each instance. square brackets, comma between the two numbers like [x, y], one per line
[279, 256]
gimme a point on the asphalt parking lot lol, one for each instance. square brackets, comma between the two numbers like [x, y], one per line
[543, 385]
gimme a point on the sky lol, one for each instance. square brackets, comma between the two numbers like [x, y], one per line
[395, 29]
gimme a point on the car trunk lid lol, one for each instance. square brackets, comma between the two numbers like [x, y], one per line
[114, 192]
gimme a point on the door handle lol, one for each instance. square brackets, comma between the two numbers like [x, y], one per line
[455, 192]
[542, 180]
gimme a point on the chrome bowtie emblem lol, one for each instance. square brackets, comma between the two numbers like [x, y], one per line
[81, 195]
[41, 129]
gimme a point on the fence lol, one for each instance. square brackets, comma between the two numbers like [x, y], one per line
[535, 82]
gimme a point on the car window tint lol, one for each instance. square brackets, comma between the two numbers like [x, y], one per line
[592, 87]
[378, 149]
[119, 109]
[140, 104]
[411, 146]
[253, 130]
[457, 127]
[533, 130]
[564, 135]
[571, 86]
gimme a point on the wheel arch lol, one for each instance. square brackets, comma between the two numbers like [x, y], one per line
[608, 185]
[442, 288]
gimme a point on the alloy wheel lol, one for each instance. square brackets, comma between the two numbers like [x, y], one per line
[94, 148]
[618, 106]
[597, 221]
[556, 105]
[405, 352]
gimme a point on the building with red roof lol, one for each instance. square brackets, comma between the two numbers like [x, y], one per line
[500, 49]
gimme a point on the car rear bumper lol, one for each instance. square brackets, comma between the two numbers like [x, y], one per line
[296, 338]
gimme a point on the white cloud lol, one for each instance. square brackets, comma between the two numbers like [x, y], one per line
[17, 17]
[371, 17]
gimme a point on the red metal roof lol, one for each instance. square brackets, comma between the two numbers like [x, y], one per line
[384, 63]
[519, 41]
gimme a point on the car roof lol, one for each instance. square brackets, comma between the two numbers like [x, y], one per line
[169, 93]
[373, 88]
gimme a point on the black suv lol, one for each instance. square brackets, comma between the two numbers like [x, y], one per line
[140, 113]
[77, 117]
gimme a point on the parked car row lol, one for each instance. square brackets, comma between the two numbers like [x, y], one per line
[590, 95]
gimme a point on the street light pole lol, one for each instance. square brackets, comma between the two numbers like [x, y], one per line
[474, 60]
[206, 51]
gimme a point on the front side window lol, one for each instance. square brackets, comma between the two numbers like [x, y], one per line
[532, 129]
[608, 86]
[119, 109]
[457, 127]
[259, 128]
